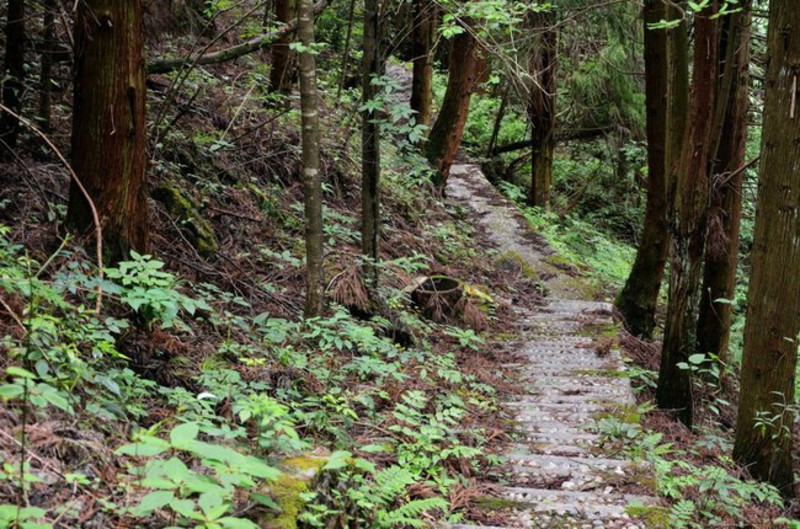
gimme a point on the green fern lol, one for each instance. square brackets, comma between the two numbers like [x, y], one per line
[680, 515]
[409, 514]
[391, 482]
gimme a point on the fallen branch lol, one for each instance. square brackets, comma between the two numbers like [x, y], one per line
[234, 52]
[561, 136]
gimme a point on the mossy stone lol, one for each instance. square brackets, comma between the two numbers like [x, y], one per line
[183, 209]
[287, 491]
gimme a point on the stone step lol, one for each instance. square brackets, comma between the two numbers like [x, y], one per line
[604, 503]
[601, 308]
[584, 440]
[570, 473]
[545, 427]
[566, 366]
[553, 449]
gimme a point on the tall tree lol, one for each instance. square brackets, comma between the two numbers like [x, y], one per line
[46, 66]
[372, 68]
[312, 180]
[666, 81]
[765, 422]
[109, 153]
[687, 222]
[542, 106]
[465, 69]
[13, 71]
[280, 75]
[727, 169]
[424, 34]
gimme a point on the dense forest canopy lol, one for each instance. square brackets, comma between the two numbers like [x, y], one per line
[399, 263]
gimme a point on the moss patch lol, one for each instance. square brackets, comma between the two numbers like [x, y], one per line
[606, 373]
[653, 517]
[489, 503]
[183, 209]
[623, 414]
[513, 261]
[288, 489]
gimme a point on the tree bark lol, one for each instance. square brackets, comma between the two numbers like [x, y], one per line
[14, 71]
[722, 239]
[638, 299]
[466, 68]
[372, 67]
[425, 18]
[542, 107]
[688, 222]
[109, 149]
[280, 75]
[773, 309]
[312, 181]
[46, 66]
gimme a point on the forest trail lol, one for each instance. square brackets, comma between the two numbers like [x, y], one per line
[560, 473]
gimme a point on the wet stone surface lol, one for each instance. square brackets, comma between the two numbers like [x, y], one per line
[559, 475]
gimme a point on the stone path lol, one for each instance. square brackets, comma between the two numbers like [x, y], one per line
[560, 475]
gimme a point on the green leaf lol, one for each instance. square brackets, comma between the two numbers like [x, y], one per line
[15, 371]
[265, 500]
[183, 507]
[209, 502]
[697, 359]
[183, 433]
[11, 391]
[339, 459]
[155, 500]
[147, 447]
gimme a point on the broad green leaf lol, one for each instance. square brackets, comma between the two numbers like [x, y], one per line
[147, 447]
[697, 359]
[155, 500]
[183, 433]
[16, 371]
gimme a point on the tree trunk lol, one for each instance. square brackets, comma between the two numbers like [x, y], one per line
[638, 300]
[109, 149]
[312, 181]
[773, 308]
[422, 50]
[542, 108]
[46, 58]
[722, 239]
[14, 72]
[280, 75]
[688, 223]
[498, 122]
[372, 67]
[466, 68]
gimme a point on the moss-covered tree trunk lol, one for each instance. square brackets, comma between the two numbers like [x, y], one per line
[466, 67]
[372, 67]
[109, 152]
[730, 133]
[312, 180]
[773, 307]
[13, 72]
[688, 222]
[542, 107]
[422, 50]
[280, 75]
[663, 94]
